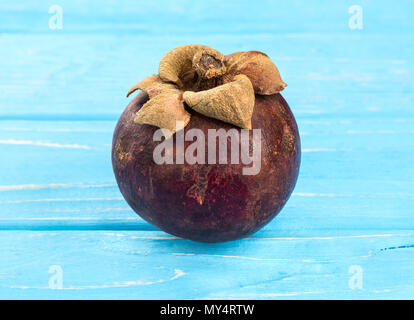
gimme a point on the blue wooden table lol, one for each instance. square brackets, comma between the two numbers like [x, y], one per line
[347, 232]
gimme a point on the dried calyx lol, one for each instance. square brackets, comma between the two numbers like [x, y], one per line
[217, 86]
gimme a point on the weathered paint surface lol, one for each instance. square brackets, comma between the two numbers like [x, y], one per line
[346, 232]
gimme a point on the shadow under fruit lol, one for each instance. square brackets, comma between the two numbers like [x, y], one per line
[208, 202]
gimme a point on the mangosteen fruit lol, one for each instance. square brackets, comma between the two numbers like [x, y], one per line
[209, 150]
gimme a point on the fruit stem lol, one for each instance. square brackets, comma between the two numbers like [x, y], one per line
[210, 70]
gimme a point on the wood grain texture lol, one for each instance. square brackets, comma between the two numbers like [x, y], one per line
[61, 92]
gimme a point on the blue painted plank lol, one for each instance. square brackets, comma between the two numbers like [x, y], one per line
[151, 265]
[343, 171]
[61, 75]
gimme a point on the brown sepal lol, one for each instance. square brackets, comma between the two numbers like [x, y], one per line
[232, 102]
[258, 67]
[166, 111]
[152, 85]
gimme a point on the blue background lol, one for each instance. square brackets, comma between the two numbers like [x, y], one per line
[346, 233]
